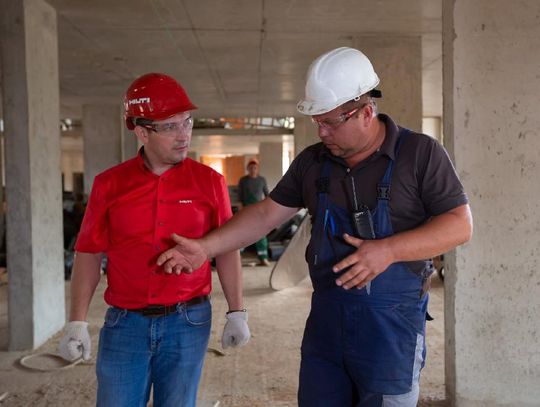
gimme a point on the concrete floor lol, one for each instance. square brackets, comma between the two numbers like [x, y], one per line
[264, 373]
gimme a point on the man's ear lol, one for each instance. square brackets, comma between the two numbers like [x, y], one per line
[367, 114]
[142, 134]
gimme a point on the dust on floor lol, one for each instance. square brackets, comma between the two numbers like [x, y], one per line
[264, 373]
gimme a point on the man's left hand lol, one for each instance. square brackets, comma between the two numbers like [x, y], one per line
[369, 260]
[236, 330]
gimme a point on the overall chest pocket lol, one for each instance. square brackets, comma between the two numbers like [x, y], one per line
[327, 245]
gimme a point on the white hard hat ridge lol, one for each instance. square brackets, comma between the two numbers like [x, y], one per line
[336, 77]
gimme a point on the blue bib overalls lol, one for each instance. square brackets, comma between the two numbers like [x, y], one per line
[359, 346]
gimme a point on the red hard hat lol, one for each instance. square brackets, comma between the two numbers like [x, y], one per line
[155, 96]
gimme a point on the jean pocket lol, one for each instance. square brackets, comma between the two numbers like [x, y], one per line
[199, 314]
[113, 316]
[412, 316]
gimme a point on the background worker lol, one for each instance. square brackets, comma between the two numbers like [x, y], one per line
[383, 200]
[157, 328]
[252, 188]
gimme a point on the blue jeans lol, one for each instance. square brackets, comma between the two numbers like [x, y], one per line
[137, 352]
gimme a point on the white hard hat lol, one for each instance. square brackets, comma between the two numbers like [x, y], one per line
[336, 77]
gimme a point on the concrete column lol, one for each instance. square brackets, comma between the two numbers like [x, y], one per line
[102, 138]
[432, 126]
[2, 197]
[72, 157]
[491, 127]
[271, 158]
[33, 190]
[305, 133]
[398, 63]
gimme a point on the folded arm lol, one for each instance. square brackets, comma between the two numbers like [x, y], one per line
[441, 234]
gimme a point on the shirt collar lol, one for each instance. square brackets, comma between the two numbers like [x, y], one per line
[387, 148]
[142, 165]
[140, 160]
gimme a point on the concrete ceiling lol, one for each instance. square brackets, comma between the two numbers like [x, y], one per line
[235, 58]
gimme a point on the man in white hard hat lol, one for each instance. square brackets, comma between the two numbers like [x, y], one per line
[383, 199]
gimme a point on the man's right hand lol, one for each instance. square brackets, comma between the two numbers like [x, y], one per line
[76, 341]
[187, 256]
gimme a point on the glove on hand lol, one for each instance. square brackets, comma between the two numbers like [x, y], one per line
[76, 341]
[236, 331]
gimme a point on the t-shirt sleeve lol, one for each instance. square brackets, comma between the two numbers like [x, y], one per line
[223, 202]
[94, 233]
[440, 187]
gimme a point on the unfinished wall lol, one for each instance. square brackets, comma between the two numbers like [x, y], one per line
[398, 63]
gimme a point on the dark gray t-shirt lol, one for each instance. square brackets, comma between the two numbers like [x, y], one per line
[250, 189]
[424, 181]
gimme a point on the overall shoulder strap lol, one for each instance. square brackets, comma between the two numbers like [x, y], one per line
[322, 185]
[383, 187]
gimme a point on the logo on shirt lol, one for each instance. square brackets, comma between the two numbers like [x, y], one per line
[185, 201]
[138, 101]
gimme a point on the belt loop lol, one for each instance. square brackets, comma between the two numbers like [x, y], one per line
[180, 307]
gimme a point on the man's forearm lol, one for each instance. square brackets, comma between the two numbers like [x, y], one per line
[246, 227]
[229, 270]
[441, 234]
[84, 280]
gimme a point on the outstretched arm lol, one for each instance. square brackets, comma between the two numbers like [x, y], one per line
[442, 233]
[244, 228]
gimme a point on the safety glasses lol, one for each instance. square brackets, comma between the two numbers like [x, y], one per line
[333, 124]
[169, 129]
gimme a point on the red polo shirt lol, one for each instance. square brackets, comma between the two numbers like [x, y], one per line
[130, 216]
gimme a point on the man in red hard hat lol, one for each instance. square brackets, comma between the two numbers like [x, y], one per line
[157, 327]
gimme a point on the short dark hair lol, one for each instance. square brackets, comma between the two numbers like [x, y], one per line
[141, 121]
[360, 102]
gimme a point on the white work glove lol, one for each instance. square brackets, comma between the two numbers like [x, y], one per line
[236, 331]
[76, 341]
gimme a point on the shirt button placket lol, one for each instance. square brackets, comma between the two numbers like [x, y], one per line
[154, 278]
[159, 213]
